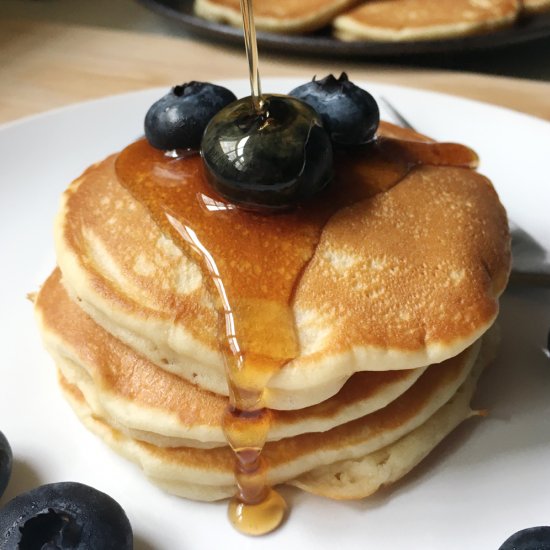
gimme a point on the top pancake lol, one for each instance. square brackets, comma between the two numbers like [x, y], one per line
[408, 277]
[395, 20]
[286, 16]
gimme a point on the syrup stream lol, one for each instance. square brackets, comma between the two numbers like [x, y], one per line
[256, 326]
[252, 264]
[256, 509]
[251, 46]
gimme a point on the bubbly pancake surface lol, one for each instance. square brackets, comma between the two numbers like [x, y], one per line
[133, 280]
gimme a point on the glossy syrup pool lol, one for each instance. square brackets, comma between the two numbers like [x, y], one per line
[252, 263]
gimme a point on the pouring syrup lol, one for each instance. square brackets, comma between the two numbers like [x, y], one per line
[257, 508]
[252, 264]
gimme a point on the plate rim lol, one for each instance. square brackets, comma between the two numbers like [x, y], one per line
[267, 79]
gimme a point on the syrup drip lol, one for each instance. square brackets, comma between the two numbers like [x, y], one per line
[253, 263]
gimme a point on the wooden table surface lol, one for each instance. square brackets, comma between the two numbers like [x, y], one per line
[46, 65]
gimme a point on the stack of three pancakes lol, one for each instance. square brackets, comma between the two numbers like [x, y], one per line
[392, 313]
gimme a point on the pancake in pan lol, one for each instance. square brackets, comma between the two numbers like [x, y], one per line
[399, 297]
[396, 436]
[286, 16]
[396, 20]
[535, 6]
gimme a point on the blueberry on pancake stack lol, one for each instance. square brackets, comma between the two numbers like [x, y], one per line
[388, 274]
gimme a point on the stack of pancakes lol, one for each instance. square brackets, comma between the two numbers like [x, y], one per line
[393, 315]
[384, 20]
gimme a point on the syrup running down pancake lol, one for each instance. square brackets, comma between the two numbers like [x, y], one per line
[342, 463]
[363, 315]
[162, 408]
[440, 233]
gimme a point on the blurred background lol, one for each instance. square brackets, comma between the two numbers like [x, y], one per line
[529, 59]
[80, 49]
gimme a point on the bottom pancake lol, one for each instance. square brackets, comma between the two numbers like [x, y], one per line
[351, 461]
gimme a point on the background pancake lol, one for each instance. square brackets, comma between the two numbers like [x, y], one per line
[533, 6]
[281, 16]
[395, 20]
[139, 286]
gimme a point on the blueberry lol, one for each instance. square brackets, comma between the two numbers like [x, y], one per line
[63, 516]
[533, 538]
[178, 119]
[267, 160]
[350, 114]
[5, 463]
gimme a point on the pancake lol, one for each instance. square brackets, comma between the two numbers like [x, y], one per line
[357, 450]
[156, 406]
[408, 277]
[399, 20]
[535, 6]
[286, 16]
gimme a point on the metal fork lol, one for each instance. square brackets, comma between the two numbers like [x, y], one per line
[530, 260]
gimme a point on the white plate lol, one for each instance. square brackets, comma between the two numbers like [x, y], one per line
[489, 479]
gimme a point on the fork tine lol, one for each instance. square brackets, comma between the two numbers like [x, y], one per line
[400, 118]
